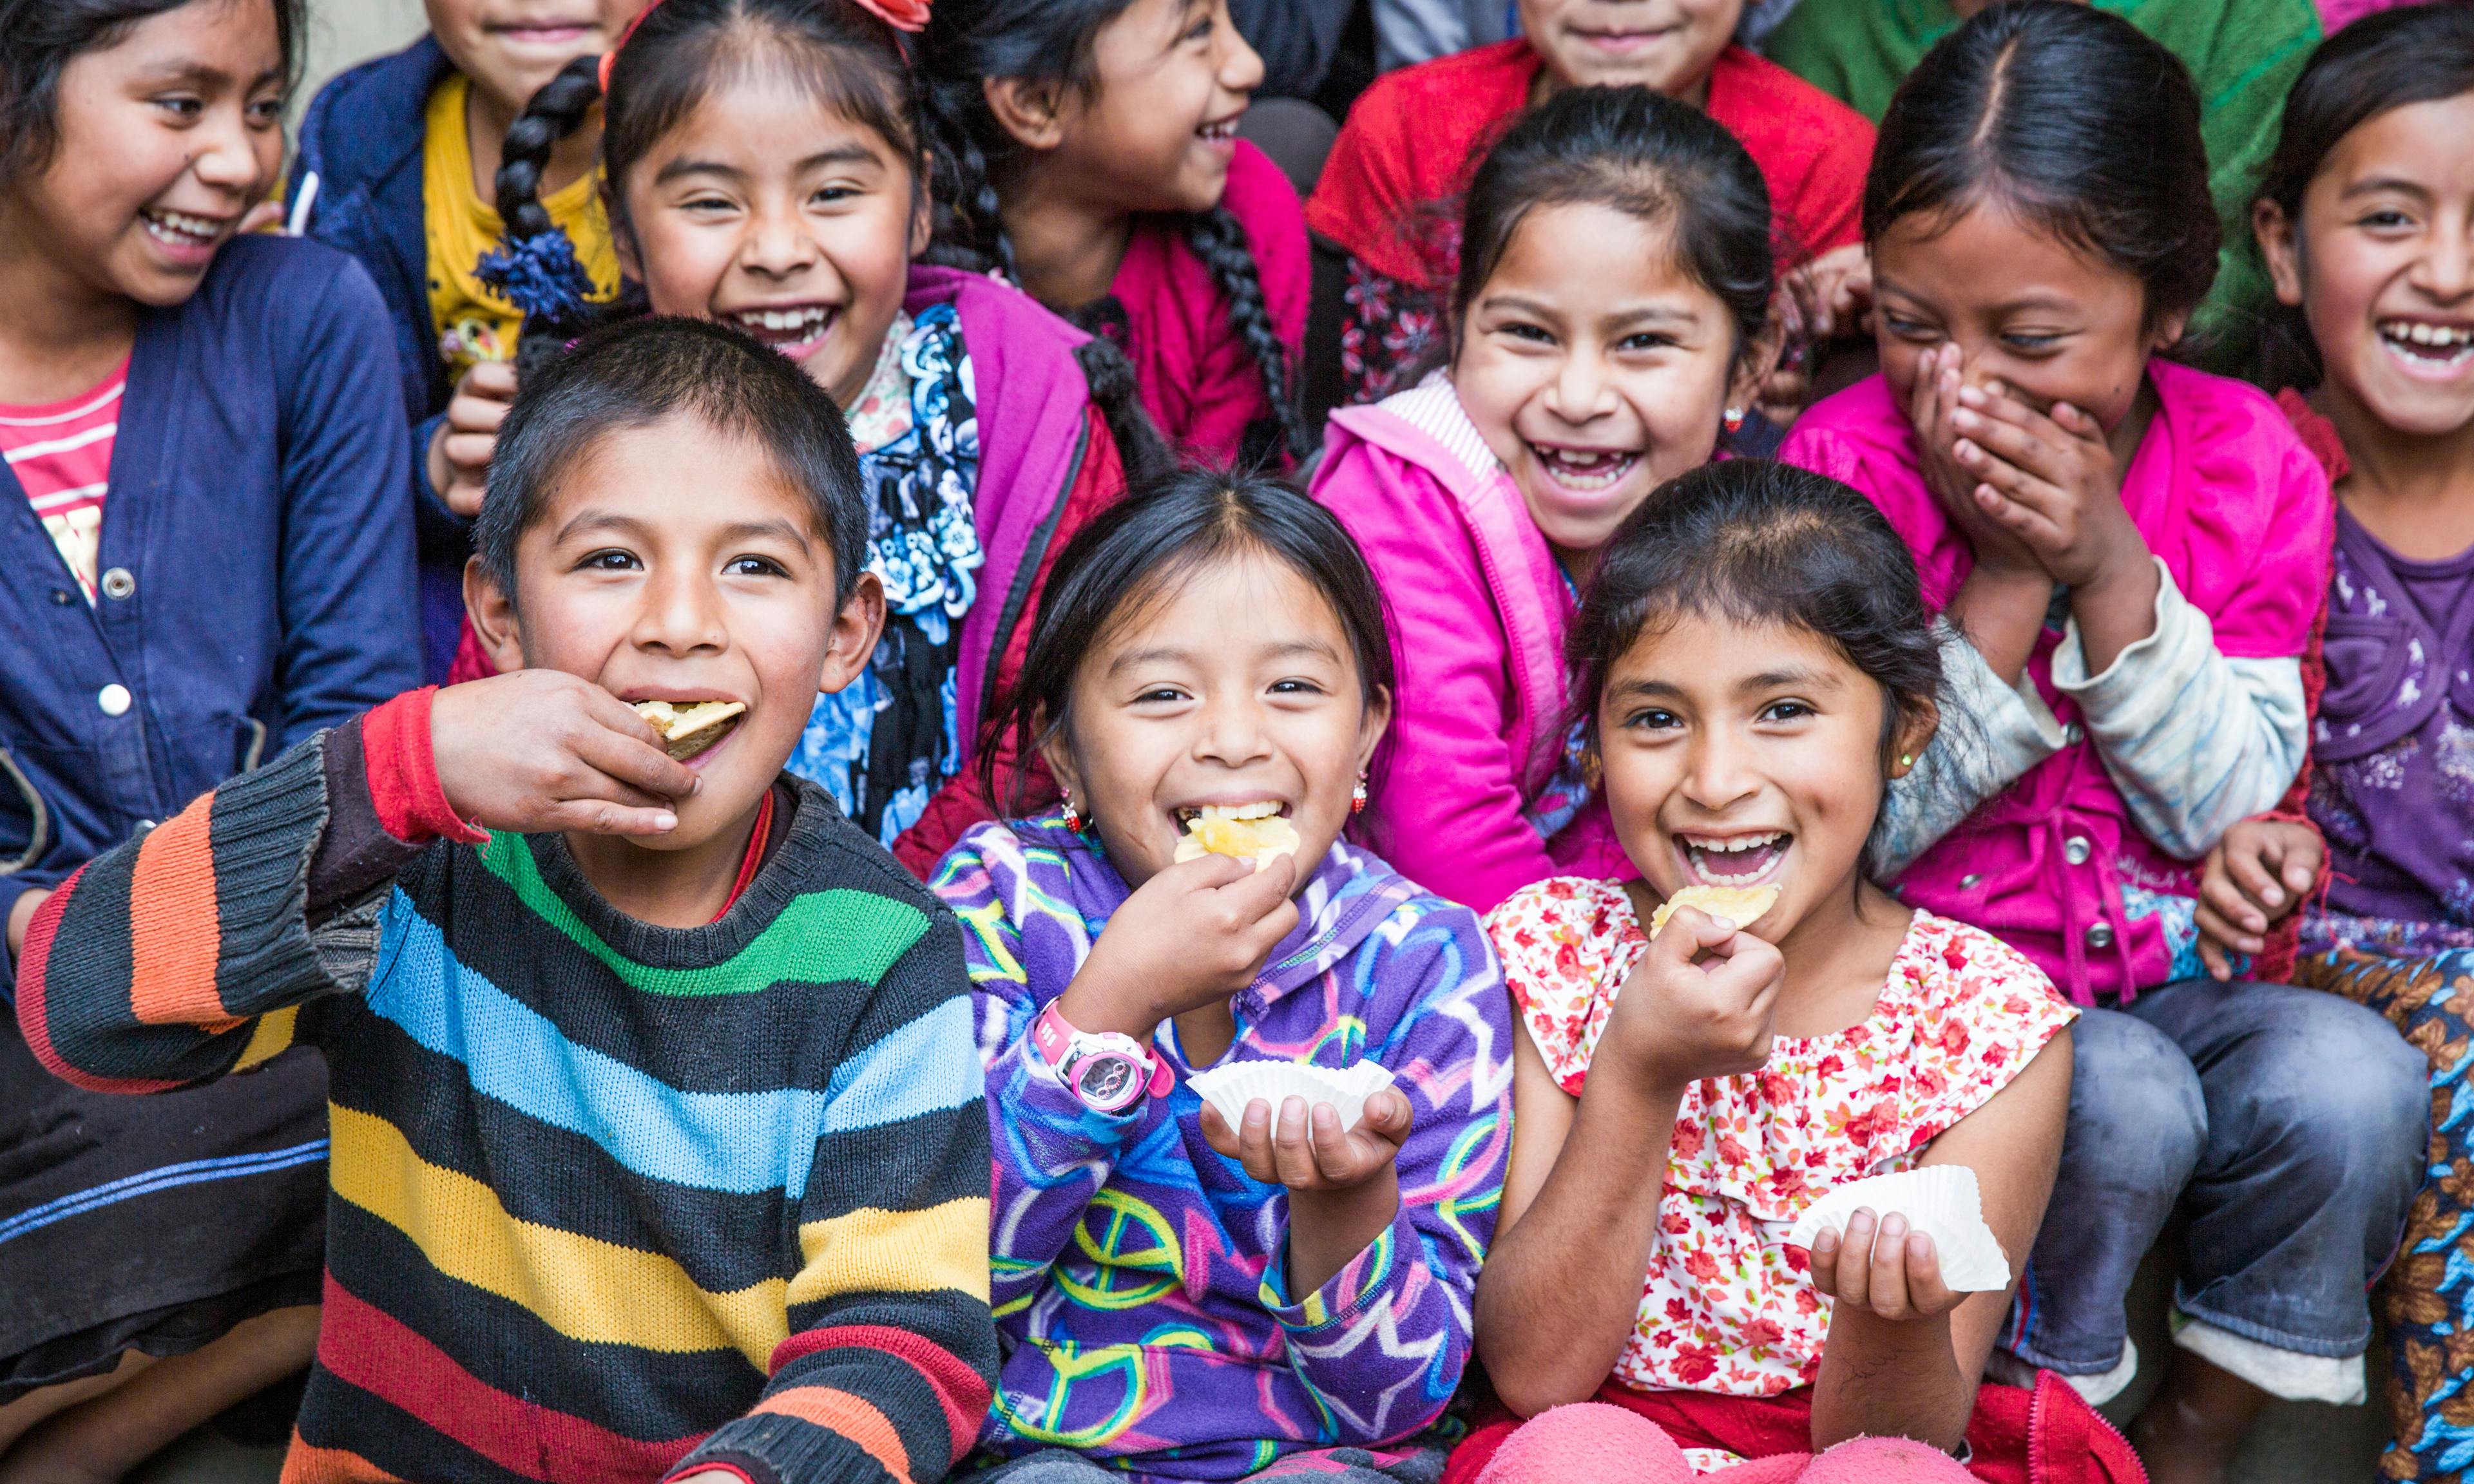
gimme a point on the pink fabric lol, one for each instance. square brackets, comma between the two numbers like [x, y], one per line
[2336, 15]
[1198, 380]
[2238, 511]
[1478, 611]
[1592, 1440]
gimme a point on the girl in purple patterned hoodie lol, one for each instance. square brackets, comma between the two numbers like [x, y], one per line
[1178, 1298]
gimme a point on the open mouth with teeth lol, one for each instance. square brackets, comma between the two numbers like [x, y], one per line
[1734, 860]
[1588, 470]
[2420, 340]
[793, 330]
[1223, 131]
[179, 230]
[1249, 832]
[691, 730]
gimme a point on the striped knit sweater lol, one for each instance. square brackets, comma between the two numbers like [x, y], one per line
[611, 1202]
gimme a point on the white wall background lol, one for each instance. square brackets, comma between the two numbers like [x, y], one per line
[344, 31]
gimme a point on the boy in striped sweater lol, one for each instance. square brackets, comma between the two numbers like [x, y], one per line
[660, 1151]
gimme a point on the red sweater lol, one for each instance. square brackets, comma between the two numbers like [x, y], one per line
[1390, 193]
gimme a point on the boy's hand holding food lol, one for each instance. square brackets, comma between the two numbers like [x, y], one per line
[537, 751]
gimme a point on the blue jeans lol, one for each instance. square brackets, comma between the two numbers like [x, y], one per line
[2284, 1127]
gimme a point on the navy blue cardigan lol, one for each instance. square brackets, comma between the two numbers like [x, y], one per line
[257, 507]
[361, 141]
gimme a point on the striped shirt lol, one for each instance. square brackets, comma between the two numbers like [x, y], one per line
[611, 1202]
[61, 455]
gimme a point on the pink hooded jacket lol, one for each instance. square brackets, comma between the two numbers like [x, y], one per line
[1479, 610]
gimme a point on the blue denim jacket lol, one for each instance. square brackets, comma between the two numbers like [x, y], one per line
[256, 510]
[361, 141]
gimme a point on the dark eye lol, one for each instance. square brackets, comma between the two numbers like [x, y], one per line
[1529, 332]
[609, 560]
[1295, 686]
[838, 191]
[1906, 328]
[185, 109]
[1646, 340]
[1202, 31]
[1158, 694]
[753, 566]
[2387, 219]
[266, 112]
[2031, 344]
[1653, 719]
[1785, 711]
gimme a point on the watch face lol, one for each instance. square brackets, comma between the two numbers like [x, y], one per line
[1105, 1080]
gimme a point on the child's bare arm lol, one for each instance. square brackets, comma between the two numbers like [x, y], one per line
[1579, 1218]
[1905, 1354]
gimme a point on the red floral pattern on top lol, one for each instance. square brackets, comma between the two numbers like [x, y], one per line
[1726, 1307]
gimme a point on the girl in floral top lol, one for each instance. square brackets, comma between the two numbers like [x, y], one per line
[1758, 667]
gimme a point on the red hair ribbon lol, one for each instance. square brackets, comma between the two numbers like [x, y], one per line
[629, 30]
[910, 16]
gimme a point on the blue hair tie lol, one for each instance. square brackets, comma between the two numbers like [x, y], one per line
[540, 274]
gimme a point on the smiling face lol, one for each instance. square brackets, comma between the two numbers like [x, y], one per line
[1596, 368]
[2383, 268]
[1158, 129]
[2051, 321]
[767, 209]
[165, 141]
[1236, 686]
[727, 596]
[510, 48]
[1666, 46]
[1743, 755]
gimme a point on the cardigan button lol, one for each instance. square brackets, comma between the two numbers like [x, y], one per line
[119, 582]
[114, 699]
[1971, 881]
[2076, 849]
[2072, 733]
[2100, 935]
[61, 597]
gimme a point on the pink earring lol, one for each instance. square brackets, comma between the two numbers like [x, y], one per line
[1734, 421]
[1073, 816]
[1357, 796]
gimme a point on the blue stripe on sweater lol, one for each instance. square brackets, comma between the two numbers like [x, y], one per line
[740, 1142]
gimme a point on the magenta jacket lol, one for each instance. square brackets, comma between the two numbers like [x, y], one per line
[1198, 380]
[1478, 611]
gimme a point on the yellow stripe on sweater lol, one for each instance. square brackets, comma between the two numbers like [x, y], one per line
[270, 1037]
[584, 1289]
[896, 1252]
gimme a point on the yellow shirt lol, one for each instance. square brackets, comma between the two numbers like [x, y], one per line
[473, 323]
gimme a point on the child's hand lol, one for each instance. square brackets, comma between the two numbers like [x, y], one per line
[2258, 872]
[1830, 295]
[539, 750]
[1931, 406]
[1196, 933]
[459, 451]
[2049, 481]
[1894, 1276]
[1677, 1021]
[1304, 1148]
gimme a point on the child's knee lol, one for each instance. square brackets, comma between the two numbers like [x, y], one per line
[1885, 1461]
[1588, 1439]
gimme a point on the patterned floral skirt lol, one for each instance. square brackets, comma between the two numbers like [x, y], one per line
[2427, 1297]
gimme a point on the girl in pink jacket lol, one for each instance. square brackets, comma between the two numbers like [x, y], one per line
[1610, 324]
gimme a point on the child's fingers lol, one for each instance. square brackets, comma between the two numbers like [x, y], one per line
[602, 817]
[1856, 1259]
[470, 452]
[1927, 1293]
[1292, 1155]
[1824, 1250]
[1336, 1158]
[1217, 1133]
[494, 380]
[2223, 914]
[1886, 1284]
[1387, 1116]
[2294, 854]
[1255, 1143]
[2213, 959]
[2257, 882]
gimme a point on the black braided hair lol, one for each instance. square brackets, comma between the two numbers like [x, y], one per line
[1051, 41]
[1110, 378]
[1218, 239]
[555, 311]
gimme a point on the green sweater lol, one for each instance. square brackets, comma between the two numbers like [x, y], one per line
[2244, 55]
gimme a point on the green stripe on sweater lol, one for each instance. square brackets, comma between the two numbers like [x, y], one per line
[833, 937]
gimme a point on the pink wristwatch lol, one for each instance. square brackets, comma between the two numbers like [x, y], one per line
[1106, 1071]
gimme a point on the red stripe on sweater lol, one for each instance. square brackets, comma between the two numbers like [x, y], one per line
[402, 772]
[375, 1350]
[960, 1390]
[34, 963]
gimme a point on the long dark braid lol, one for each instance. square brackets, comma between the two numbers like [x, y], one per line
[536, 268]
[968, 41]
[1218, 239]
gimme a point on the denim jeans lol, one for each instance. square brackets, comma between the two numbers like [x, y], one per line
[2284, 1127]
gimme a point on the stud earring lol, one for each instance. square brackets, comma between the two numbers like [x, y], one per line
[1074, 820]
[1357, 796]
[1906, 759]
[1734, 421]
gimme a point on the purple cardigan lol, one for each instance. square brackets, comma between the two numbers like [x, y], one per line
[1479, 610]
[1138, 1275]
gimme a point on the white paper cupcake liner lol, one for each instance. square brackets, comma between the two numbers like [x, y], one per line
[1230, 1087]
[1939, 1200]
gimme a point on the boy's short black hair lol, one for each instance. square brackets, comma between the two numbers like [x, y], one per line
[635, 373]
